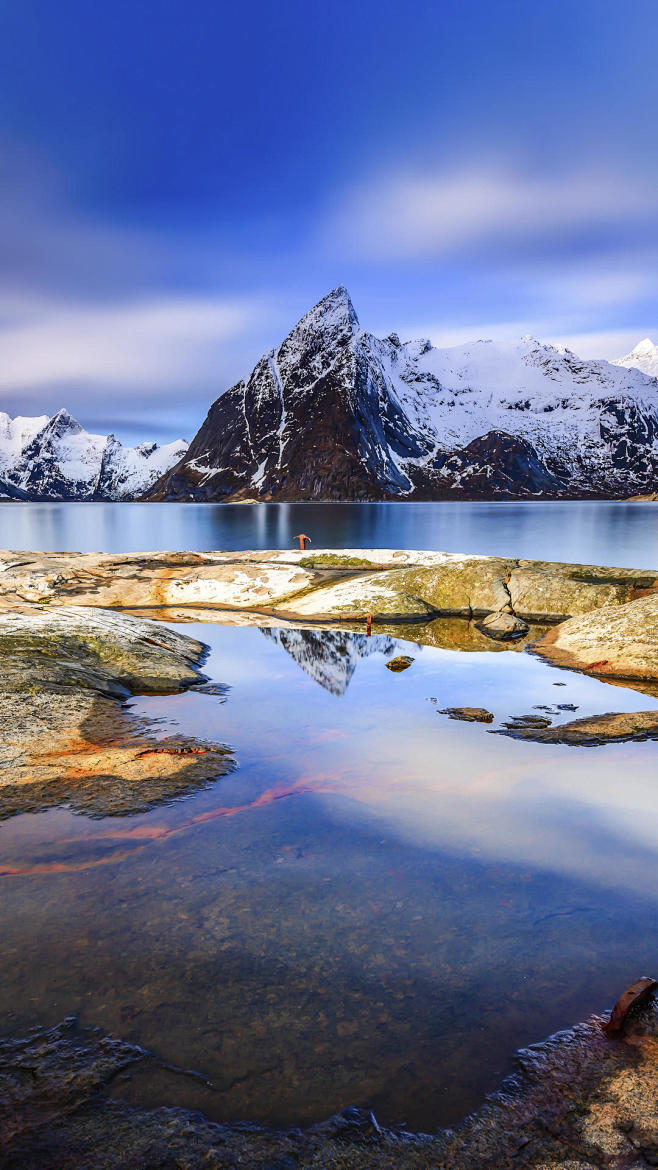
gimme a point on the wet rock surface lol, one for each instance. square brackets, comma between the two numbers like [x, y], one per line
[391, 585]
[397, 665]
[616, 727]
[468, 714]
[68, 736]
[578, 1100]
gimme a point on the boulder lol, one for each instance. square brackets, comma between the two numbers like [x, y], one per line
[616, 641]
[503, 626]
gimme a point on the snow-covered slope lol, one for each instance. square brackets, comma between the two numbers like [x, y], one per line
[336, 413]
[643, 357]
[56, 459]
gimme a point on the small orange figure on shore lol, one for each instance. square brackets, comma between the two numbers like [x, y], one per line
[302, 540]
[369, 625]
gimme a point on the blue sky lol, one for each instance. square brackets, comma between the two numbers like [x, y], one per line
[181, 181]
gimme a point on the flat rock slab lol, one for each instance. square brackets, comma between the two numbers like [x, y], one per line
[112, 653]
[326, 583]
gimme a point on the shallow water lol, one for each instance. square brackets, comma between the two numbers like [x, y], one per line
[591, 532]
[376, 908]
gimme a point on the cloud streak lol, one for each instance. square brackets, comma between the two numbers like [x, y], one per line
[420, 215]
[139, 344]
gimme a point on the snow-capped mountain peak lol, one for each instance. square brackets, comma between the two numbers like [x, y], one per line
[643, 356]
[57, 459]
[337, 413]
[63, 423]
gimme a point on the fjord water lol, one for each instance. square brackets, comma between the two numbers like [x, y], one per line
[589, 532]
[376, 908]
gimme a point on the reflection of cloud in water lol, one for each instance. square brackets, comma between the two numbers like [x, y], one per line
[330, 657]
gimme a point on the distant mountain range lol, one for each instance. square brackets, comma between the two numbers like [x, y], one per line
[334, 413]
[56, 459]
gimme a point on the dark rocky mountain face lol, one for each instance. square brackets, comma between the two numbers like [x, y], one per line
[500, 464]
[337, 414]
[313, 421]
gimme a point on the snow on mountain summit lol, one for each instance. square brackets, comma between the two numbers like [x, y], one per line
[57, 459]
[644, 357]
[336, 413]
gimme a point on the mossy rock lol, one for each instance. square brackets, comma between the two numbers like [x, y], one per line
[464, 587]
[336, 561]
[553, 594]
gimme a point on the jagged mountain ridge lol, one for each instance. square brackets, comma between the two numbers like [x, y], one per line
[56, 459]
[336, 413]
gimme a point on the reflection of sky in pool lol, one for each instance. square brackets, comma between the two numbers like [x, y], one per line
[401, 902]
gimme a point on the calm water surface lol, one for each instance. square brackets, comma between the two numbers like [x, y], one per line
[377, 907]
[590, 532]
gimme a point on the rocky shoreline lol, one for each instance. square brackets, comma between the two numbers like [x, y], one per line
[581, 1100]
[325, 584]
[606, 618]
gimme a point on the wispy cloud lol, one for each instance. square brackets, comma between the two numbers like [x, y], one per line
[114, 319]
[132, 345]
[422, 215]
[566, 304]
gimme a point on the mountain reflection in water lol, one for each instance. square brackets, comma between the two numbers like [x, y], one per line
[330, 657]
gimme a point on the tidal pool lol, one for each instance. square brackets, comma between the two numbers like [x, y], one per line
[376, 908]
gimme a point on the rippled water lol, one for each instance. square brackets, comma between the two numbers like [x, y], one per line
[592, 532]
[376, 908]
